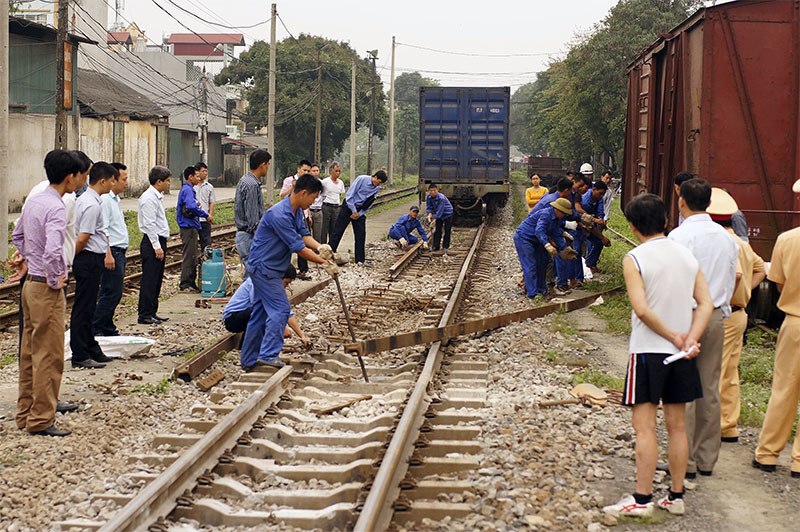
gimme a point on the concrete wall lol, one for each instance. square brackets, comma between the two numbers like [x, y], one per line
[140, 148]
[31, 137]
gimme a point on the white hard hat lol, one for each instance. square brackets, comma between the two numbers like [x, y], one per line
[796, 186]
[586, 169]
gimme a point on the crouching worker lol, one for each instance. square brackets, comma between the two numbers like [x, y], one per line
[533, 240]
[281, 232]
[401, 231]
[237, 312]
[662, 279]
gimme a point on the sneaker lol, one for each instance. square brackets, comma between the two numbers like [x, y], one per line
[628, 507]
[562, 290]
[675, 506]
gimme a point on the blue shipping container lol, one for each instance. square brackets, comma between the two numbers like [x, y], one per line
[464, 135]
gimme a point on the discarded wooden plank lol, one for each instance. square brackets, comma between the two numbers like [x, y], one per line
[321, 411]
[210, 380]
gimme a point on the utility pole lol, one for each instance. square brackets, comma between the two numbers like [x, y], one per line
[3, 130]
[271, 108]
[374, 54]
[61, 39]
[318, 131]
[390, 163]
[353, 121]
[202, 124]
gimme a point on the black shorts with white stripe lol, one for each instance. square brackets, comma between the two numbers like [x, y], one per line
[648, 380]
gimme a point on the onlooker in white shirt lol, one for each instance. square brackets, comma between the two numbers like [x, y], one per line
[332, 190]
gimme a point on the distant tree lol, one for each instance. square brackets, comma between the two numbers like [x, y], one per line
[297, 87]
[406, 119]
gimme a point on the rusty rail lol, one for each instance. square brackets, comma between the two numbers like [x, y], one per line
[157, 499]
[447, 332]
[205, 358]
[622, 237]
[377, 512]
[403, 262]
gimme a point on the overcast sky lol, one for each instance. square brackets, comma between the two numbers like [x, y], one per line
[507, 27]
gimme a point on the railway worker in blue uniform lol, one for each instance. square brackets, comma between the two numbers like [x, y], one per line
[281, 232]
[538, 238]
[440, 213]
[593, 203]
[570, 272]
[357, 202]
[237, 312]
[404, 226]
[188, 214]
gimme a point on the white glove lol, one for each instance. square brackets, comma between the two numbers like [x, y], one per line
[424, 245]
[403, 242]
[587, 218]
[550, 248]
[567, 236]
[332, 269]
[325, 252]
[430, 218]
[571, 225]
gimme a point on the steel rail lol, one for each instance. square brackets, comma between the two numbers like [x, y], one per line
[158, 498]
[622, 237]
[403, 262]
[377, 512]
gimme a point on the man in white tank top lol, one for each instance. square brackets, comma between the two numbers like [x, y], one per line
[662, 279]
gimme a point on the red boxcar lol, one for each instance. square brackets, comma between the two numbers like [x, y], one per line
[718, 96]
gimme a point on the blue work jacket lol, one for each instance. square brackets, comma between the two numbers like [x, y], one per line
[439, 206]
[409, 224]
[541, 226]
[279, 234]
[188, 211]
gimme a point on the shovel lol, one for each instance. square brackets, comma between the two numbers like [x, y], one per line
[350, 325]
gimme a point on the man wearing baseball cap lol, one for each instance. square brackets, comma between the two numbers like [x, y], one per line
[404, 226]
[749, 273]
[538, 238]
[782, 408]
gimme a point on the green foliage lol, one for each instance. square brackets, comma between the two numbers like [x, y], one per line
[616, 311]
[598, 378]
[12, 457]
[406, 119]
[561, 324]
[7, 359]
[297, 87]
[576, 108]
[152, 389]
[755, 376]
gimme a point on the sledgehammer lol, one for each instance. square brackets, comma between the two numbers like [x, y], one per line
[350, 325]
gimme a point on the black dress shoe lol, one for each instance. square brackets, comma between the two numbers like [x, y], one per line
[51, 431]
[730, 439]
[769, 468]
[147, 321]
[101, 358]
[63, 407]
[88, 363]
[663, 466]
[704, 473]
[159, 318]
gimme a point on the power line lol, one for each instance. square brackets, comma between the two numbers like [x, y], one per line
[198, 17]
[468, 54]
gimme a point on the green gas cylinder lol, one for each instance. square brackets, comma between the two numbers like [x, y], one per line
[213, 284]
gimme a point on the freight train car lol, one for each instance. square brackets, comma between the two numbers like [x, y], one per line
[550, 169]
[464, 146]
[718, 97]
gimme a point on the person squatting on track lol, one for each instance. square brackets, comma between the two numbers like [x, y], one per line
[537, 239]
[281, 232]
[248, 203]
[155, 231]
[188, 214]
[661, 278]
[39, 238]
[440, 213]
[782, 408]
[718, 256]
[332, 190]
[237, 312]
[206, 198]
[401, 231]
[92, 256]
[357, 203]
[112, 280]
[751, 267]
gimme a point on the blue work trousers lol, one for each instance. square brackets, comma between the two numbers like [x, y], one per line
[111, 285]
[263, 338]
[594, 248]
[533, 258]
[571, 269]
[400, 232]
[243, 242]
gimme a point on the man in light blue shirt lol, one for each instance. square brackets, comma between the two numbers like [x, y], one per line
[113, 276]
[281, 232]
[358, 200]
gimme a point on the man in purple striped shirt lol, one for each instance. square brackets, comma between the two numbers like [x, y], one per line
[39, 238]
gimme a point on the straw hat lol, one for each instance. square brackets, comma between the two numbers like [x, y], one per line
[563, 205]
[722, 205]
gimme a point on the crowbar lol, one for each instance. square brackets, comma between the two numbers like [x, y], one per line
[350, 325]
